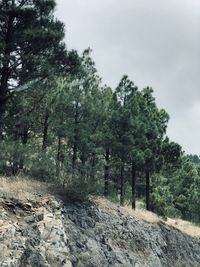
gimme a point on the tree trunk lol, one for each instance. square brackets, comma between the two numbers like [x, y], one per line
[93, 164]
[24, 138]
[5, 71]
[147, 190]
[133, 186]
[106, 172]
[45, 130]
[16, 160]
[122, 189]
[58, 157]
[74, 156]
[83, 158]
[1, 119]
[75, 144]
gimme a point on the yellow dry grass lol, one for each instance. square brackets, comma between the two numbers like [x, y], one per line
[185, 226]
[142, 214]
[21, 188]
[149, 217]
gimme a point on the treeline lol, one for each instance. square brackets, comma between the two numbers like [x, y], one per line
[59, 123]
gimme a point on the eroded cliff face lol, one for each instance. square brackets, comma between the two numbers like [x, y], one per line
[48, 232]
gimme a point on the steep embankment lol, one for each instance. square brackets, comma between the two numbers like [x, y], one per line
[43, 231]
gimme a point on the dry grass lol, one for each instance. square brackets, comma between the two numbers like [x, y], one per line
[149, 217]
[21, 188]
[185, 226]
[142, 214]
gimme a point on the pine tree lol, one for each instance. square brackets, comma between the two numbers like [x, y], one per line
[30, 42]
[155, 121]
[121, 128]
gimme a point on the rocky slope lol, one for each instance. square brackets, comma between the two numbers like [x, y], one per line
[47, 232]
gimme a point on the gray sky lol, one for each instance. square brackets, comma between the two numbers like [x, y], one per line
[154, 42]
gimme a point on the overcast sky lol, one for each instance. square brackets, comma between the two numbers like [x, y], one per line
[155, 42]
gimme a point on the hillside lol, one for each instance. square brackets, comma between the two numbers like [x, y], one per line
[38, 229]
[63, 123]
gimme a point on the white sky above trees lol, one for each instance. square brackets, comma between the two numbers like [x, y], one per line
[155, 42]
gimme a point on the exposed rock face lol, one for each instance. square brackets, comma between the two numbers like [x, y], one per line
[34, 236]
[100, 238]
[49, 233]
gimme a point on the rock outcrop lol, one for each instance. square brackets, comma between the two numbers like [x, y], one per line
[47, 232]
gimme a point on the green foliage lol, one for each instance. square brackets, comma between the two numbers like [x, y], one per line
[163, 198]
[177, 193]
[42, 167]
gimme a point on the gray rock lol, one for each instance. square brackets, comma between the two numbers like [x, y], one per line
[120, 240]
[81, 235]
